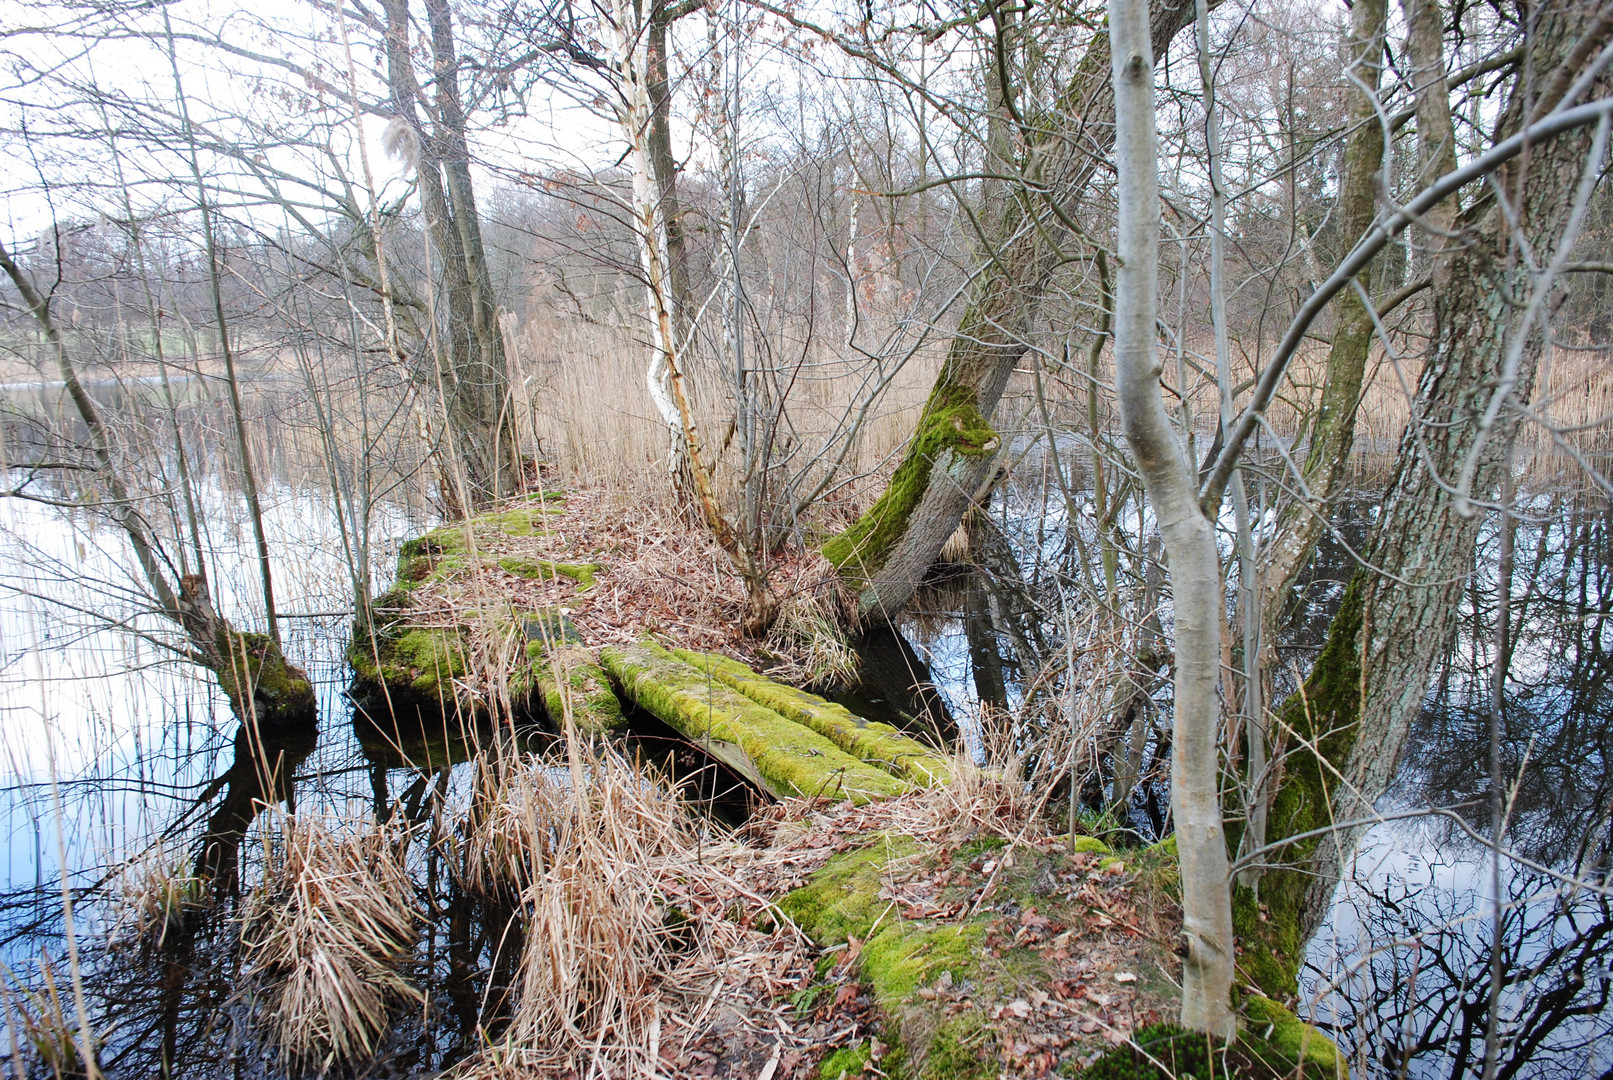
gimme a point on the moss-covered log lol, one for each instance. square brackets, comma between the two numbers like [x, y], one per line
[876, 743]
[571, 682]
[778, 755]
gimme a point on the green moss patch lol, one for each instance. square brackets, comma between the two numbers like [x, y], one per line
[1167, 1052]
[569, 676]
[1326, 714]
[261, 683]
[877, 744]
[951, 431]
[545, 569]
[777, 754]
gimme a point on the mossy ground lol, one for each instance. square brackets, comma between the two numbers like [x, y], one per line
[980, 957]
[453, 632]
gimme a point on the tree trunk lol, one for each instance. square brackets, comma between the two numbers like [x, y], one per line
[1300, 521]
[1401, 612]
[262, 686]
[949, 456]
[471, 368]
[1195, 567]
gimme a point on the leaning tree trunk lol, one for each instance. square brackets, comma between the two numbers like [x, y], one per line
[1400, 613]
[1301, 521]
[949, 456]
[1195, 566]
[264, 689]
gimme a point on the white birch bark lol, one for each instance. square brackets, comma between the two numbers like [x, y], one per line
[1188, 534]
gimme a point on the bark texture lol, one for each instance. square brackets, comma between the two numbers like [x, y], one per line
[949, 457]
[1301, 521]
[470, 366]
[1355, 711]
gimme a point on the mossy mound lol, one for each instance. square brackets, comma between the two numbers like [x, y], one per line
[778, 755]
[876, 743]
[946, 976]
[415, 665]
[1167, 1052]
[261, 683]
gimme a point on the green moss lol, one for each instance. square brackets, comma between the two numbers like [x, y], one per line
[963, 1049]
[584, 685]
[1325, 714]
[847, 1061]
[523, 521]
[904, 956]
[1292, 1036]
[260, 683]
[1090, 844]
[581, 573]
[783, 757]
[878, 744]
[1167, 1052]
[842, 898]
[952, 431]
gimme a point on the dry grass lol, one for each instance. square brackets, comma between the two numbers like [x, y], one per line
[628, 916]
[155, 894]
[324, 936]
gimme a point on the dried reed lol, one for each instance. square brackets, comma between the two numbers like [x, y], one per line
[156, 892]
[323, 939]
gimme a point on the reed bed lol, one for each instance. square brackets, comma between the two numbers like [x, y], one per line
[324, 939]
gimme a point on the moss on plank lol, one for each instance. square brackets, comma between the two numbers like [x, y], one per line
[878, 744]
[569, 675]
[951, 428]
[783, 757]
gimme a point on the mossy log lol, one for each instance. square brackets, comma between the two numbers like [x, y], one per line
[778, 755]
[570, 679]
[876, 743]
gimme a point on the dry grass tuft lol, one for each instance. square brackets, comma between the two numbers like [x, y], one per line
[156, 892]
[630, 914]
[817, 617]
[323, 938]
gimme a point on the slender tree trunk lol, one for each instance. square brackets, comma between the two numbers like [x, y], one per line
[1195, 567]
[952, 449]
[473, 371]
[261, 685]
[1301, 521]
